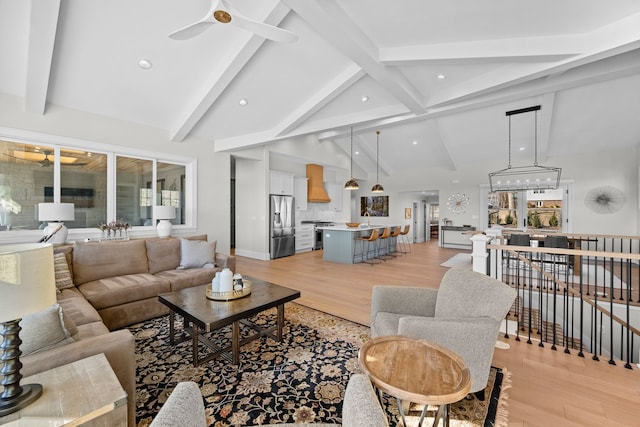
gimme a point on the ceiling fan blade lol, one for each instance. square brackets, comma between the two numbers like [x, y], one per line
[191, 30]
[264, 30]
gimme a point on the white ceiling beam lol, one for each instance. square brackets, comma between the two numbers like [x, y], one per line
[615, 39]
[537, 49]
[248, 140]
[334, 26]
[223, 77]
[43, 24]
[328, 93]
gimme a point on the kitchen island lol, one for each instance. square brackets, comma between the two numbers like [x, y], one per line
[340, 244]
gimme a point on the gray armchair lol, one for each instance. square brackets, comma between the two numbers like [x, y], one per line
[464, 315]
[184, 407]
[360, 408]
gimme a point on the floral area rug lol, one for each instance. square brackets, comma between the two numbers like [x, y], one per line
[301, 379]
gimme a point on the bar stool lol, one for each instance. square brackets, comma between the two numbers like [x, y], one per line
[383, 237]
[405, 237]
[370, 239]
[393, 241]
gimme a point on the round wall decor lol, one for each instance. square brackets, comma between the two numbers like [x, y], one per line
[457, 203]
[604, 200]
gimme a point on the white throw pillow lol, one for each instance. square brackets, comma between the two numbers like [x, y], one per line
[197, 254]
[43, 330]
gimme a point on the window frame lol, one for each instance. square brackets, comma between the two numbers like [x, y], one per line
[111, 151]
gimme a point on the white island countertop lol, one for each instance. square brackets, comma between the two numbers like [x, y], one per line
[344, 227]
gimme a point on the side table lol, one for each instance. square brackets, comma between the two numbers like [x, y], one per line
[416, 371]
[85, 392]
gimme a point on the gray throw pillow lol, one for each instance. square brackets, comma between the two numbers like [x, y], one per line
[43, 330]
[197, 254]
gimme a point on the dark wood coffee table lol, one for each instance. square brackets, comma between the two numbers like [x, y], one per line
[202, 316]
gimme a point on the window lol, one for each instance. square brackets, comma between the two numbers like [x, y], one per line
[527, 210]
[103, 186]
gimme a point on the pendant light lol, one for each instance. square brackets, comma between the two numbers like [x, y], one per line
[377, 188]
[534, 177]
[351, 184]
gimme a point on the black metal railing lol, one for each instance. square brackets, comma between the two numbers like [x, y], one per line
[583, 299]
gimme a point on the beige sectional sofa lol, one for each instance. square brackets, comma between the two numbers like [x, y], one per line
[113, 285]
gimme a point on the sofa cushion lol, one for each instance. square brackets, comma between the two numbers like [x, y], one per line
[89, 330]
[63, 275]
[124, 289]
[76, 307]
[99, 260]
[181, 279]
[197, 254]
[163, 254]
[43, 330]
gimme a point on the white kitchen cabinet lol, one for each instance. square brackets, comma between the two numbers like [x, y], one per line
[304, 238]
[300, 193]
[280, 183]
[335, 193]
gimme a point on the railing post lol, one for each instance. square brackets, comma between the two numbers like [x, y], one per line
[479, 252]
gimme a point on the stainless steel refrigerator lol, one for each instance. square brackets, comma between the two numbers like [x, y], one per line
[281, 219]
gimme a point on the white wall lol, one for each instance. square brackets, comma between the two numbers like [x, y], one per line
[252, 208]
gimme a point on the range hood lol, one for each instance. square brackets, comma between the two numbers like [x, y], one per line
[315, 186]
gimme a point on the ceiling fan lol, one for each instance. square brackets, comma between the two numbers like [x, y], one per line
[45, 163]
[221, 13]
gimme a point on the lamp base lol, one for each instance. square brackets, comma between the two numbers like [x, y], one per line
[30, 393]
[164, 228]
[14, 397]
[60, 235]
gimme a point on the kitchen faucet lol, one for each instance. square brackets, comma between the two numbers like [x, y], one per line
[368, 217]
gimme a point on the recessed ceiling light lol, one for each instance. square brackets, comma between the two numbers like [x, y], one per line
[521, 148]
[441, 76]
[357, 152]
[145, 64]
[415, 142]
[243, 102]
[364, 98]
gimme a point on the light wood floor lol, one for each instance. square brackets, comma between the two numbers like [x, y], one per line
[549, 388]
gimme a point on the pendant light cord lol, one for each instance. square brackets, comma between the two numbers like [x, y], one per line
[509, 164]
[351, 154]
[377, 156]
[535, 139]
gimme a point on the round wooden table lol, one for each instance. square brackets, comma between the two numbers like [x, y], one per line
[416, 371]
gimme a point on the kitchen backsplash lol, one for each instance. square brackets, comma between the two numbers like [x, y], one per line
[315, 211]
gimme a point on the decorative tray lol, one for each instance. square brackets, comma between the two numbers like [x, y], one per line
[230, 295]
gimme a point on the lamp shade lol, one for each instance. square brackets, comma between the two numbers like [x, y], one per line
[164, 212]
[56, 212]
[27, 280]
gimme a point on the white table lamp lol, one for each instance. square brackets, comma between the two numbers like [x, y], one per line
[55, 214]
[164, 214]
[27, 285]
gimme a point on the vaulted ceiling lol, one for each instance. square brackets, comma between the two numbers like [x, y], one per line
[580, 61]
